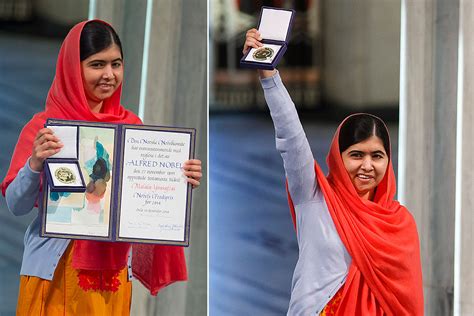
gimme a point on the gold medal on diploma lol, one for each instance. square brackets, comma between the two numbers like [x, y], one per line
[65, 175]
[263, 53]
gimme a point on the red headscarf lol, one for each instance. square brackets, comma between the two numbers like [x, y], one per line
[156, 266]
[381, 237]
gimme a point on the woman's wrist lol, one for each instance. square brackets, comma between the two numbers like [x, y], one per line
[266, 73]
[36, 165]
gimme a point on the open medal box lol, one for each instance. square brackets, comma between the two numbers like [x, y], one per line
[62, 169]
[274, 26]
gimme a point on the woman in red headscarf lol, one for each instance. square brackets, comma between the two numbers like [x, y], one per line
[59, 276]
[358, 247]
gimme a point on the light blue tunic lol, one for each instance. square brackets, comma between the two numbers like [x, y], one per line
[323, 261]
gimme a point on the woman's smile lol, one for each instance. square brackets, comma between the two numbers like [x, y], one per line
[106, 87]
[364, 177]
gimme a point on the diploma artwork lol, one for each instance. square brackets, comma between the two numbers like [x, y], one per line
[135, 190]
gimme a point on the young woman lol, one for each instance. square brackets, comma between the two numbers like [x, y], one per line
[60, 276]
[358, 247]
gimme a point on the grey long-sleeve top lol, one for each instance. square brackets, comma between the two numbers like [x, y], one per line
[41, 255]
[323, 260]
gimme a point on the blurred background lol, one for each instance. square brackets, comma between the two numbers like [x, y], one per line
[342, 55]
[398, 59]
[31, 32]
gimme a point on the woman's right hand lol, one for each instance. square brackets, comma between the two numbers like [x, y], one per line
[45, 145]
[252, 40]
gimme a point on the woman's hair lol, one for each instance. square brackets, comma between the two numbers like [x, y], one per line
[359, 127]
[97, 36]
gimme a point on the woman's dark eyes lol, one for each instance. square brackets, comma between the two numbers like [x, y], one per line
[101, 65]
[360, 155]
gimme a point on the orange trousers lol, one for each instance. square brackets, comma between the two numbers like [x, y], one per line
[63, 296]
[331, 307]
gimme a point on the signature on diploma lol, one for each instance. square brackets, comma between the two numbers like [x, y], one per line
[155, 226]
[169, 227]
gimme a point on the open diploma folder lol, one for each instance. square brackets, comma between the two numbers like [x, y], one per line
[135, 190]
[274, 26]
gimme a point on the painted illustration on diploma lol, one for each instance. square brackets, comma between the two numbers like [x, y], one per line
[91, 208]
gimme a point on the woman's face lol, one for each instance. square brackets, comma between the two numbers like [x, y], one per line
[366, 163]
[102, 74]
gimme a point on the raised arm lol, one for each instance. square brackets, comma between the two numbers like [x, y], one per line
[291, 140]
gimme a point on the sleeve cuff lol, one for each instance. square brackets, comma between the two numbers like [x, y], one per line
[271, 82]
[30, 171]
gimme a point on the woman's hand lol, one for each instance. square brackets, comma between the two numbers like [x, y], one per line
[252, 40]
[193, 171]
[45, 145]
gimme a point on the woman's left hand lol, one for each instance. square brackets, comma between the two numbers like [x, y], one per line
[193, 171]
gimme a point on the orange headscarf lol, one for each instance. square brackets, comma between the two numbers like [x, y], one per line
[156, 266]
[381, 237]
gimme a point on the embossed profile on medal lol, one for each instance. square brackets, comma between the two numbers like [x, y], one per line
[263, 53]
[65, 175]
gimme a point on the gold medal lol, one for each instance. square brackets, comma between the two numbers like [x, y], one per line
[263, 53]
[65, 175]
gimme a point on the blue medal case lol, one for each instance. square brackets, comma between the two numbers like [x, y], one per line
[274, 26]
[71, 162]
